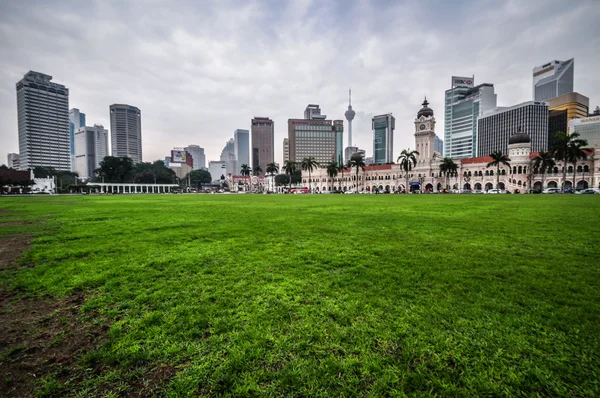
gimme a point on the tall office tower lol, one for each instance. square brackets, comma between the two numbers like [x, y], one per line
[314, 136]
[497, 125]
[338, 127]
[217, 169]
[286, 149]
[126, 131]
[564, 108]
[350, 117]
[383, 138]
[439, 145]
[76, 121]
[465, 102]
[263, 143]
[13, 161]
[241, 147]
[553, 79]
[228, 156]
[197, 155]
[43, 115]
[91, 146]
[588, 129]
[313, 112]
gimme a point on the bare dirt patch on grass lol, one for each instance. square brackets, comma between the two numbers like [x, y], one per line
[39, 337]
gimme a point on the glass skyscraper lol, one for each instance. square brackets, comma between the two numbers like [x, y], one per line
[553, 79]
[383, 138]
[76, 121]
[464, 103]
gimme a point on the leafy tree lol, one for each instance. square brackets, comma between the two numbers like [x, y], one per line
[282, 180]
[407, 160]
[116, 169]
[199, 177]
[257, 170]
[543, 161]
[153, 173]
[358, 162]
[309, 164]
[44, 172]
[5, 167]
[563, 149]
[498, 158]
[289, 168]
[448, 168]
[332, 170]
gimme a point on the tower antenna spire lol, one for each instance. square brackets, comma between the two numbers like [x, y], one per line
[350, 96]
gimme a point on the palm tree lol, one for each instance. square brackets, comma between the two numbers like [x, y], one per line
[498, 158]
[576, 152]
[543, 161]
[407, 160]
[562, 145]
[246, 171]
[290, 168]
[257, 170]
[272, 169]
[357, 161]
[332, 170]
[448, 168]
[309, 164]
[340, 168]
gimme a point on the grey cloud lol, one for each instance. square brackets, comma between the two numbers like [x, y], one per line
[199, 70]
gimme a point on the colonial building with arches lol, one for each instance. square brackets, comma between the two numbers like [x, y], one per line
[472, 173]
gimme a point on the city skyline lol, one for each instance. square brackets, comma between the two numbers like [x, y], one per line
[390, 69]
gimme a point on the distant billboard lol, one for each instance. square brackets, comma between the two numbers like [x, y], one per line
[178, 156]
[458, 81]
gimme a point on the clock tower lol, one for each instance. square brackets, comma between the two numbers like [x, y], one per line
[425, 133]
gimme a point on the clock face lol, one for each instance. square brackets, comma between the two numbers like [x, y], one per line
[422, 127]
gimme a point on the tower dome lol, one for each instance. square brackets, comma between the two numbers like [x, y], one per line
[425, 111]
[519, 138]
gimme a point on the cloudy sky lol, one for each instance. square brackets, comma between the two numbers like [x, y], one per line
[200, 69]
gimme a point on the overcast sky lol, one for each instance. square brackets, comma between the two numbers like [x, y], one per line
[198, 70]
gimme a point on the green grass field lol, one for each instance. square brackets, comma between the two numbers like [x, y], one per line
[323, 295]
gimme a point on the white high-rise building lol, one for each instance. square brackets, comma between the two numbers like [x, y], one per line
[13, 161]
[43, 116]
[228, 156]
[465, 103]
[198, 156]
[553, 79]
[126, 131]
[241, 147]
[76, 121]
[588, 129]
[91, 146]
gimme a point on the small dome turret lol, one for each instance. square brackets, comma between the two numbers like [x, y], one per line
[425, 111]
[519, 138]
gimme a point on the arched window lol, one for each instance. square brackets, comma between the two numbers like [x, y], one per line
[503, 172]
[586, 168]
[570, 169]
[555, 170]
[515, 170]
[487, 172]
[524, 169]
[520, 170]
[491, 172]
[580, 169]
[469, 174]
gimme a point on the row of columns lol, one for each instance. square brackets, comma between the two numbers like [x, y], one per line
[136, 188]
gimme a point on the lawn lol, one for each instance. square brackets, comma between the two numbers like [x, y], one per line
[320, 295]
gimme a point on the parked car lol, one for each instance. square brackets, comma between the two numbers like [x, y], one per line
[494, 191]
[349, 192]
[589, 191]
[551, 190]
